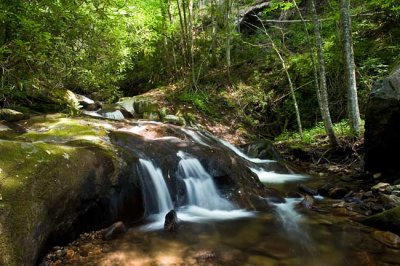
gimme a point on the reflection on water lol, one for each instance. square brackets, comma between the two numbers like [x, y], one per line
[257, 240]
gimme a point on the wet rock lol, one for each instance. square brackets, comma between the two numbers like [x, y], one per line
[262, 149]
[338, 193]
[387, 238]
[390, 200]
[303, 188]
[205, 256]
[173, 119]
[115, 230]
[60, 253]
[387, 220]
[368, 194]
[171, 222]
[308, 202]
[382, 127]
[294, 194]
[381, 187]
[324, 190]
[11, 115]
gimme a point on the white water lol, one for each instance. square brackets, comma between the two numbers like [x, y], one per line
[156, 193]
[241, 154]
[201, 190]
[205, 203]
[288, 215]
[276, 178]
[196, 214]
[195, 136]
[116, 115]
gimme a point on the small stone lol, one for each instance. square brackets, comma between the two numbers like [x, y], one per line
[324, 190]
[380, 187]
[390, 199]
[1, 197]
[112, 232]
[294, 194]
[60, 253]
[377, 175]
[70, 254]
[308, 202]
[337, 193]
[307, 190]
[368, 194]
[388, 238]
[339, 205]
[396, 193]
[171, 222]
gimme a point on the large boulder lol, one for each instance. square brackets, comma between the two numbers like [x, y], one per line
[382, 127]
[387, 220]
[58, 179]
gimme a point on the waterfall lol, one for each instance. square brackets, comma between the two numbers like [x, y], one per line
[195, 136]
[116, 115]
[239, 152]
[276, 178]
[155, 190]
[200, 187]
[288, 216]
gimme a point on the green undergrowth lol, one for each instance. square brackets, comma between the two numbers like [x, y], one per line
[317, 133]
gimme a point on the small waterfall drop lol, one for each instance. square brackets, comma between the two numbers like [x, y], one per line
[116, 115]
[201, 190]
[288, 216]
[155, 190]
[239, 152]
[195, 136]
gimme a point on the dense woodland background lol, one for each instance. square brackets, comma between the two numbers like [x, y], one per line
[205, 49]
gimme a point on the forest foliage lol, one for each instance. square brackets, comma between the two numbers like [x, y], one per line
[109, 48]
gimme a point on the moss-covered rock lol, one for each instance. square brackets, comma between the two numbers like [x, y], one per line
[59, 178]
[387, 220]
[11, 115]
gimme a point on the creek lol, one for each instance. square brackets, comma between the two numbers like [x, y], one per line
[217, 230]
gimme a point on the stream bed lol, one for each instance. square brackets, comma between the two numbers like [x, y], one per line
[287, 235]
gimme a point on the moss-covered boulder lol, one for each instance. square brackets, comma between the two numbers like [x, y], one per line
[388, 220]
[57, 179]
[11, 115]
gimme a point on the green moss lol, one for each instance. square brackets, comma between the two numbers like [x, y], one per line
[62, 129]
[33, 176]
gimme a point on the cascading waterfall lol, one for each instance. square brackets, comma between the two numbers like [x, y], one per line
[201, 190]
[155, 190]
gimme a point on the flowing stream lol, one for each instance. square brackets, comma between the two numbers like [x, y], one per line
[220, 233]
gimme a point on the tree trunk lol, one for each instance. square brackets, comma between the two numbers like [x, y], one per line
[191, 40]
[324, 102]
[228, 34]
[352, 101]
[285, 68]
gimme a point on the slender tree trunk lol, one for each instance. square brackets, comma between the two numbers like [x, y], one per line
[315, 71]
[324, 102]
[183, 34]
[285, 68]
[172, 36]
[228, 34]
[352, 101]
[214, 9]
[191, 39]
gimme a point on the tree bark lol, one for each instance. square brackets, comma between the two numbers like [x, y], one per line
[352, 98]
[323, 91]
